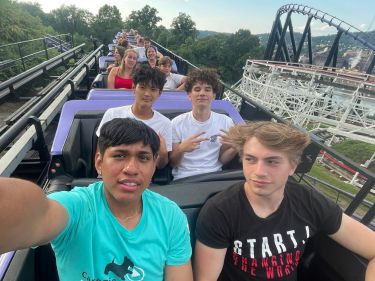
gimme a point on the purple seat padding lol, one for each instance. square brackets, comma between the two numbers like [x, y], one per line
[117, 94]
[72, 107]
[104, 61]
[5, 260]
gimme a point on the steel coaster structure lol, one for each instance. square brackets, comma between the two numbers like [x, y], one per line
[281, 47]
[317, 98]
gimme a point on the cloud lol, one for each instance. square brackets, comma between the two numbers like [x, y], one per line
[362, 26]
[324, 27]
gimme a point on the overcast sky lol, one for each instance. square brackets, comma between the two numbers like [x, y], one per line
[229, 16]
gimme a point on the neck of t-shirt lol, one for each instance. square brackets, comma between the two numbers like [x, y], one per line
[142, 112]
[201, 114]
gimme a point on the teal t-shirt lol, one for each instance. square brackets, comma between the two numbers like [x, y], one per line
[95, 246]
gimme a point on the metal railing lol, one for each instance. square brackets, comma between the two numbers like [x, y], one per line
[17, 81]
[21, 53]
[54, 101]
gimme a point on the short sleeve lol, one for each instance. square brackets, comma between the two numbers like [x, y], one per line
[179, 252]
[176, 133]
[212, 227]
[74, 202]
[107, 117]
[177, 78]
[329, 213]
[168, 136]
[229, 123]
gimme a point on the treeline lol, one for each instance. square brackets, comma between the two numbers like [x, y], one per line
[225, 52]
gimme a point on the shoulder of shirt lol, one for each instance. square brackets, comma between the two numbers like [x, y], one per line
[227, 196]
[298, 190]
[116, 109]
[178, 118]
[224, 116]
[91, 188]
[162, 116]
[155, 198]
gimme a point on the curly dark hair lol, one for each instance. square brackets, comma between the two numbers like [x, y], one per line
[205, 75]
[145, 74]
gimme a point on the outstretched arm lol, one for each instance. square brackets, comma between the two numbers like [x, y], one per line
[208, 262]
[27, 216]
[360, 239]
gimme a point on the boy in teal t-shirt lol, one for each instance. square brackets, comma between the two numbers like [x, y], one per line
[160, 238]
[111, 230]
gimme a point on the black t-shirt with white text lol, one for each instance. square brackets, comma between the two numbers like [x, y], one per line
[265, 248]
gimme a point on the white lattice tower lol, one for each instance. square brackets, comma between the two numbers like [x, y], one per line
[341, 101]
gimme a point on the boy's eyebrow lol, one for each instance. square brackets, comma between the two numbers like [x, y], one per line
[129, 150]
[275, 157]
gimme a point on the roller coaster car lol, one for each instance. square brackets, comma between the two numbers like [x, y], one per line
[123, 94]
[105, 61]
[72, 165]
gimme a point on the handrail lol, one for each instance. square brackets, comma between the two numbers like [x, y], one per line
[61, 45]
[15, 82]
[32, 40]
[53, 101]
[181, 63]
[18, 126]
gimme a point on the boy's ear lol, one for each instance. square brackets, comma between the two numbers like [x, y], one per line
[98, 161]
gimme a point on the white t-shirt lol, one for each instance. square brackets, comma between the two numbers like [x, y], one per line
[158, 122]
[205, 159]
[141, 53]
[173, 81]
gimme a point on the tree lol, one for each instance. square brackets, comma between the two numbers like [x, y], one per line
[70, 19]
[144, 20]
[183, 27]
[107, 23]
[34, 9]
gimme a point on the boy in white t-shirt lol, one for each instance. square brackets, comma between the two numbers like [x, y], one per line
[174, 81]
[199, 136]
[148, 84]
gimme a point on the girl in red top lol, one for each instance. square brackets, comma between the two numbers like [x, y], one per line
[121, 77]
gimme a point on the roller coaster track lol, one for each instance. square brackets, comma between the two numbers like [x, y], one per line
[27, 132]
[337, 101]
[9, 86]
[334, 101]
[279, 50]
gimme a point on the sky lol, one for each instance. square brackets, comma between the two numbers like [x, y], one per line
[230, 16]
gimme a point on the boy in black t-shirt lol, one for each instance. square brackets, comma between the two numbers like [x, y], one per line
[257, 230]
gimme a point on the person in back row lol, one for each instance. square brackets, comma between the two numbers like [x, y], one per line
[199, 142]
[115, 229]
[258, 229]
[174, 81]
[118, 55]
[148, 83]
[147, 43]
[121, 77]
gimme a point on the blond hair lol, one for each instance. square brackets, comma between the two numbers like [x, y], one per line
[277, 136]
[122, 65]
